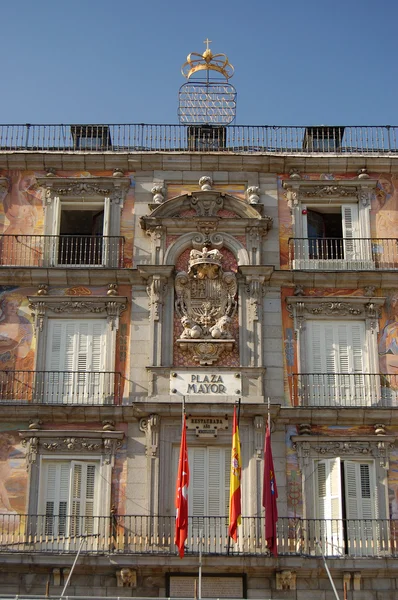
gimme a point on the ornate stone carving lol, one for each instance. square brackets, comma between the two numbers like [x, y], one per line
[253, 194]
[303, 307]
[285, 580]
[258, 423]
[329, 190]
[42, 290]
[105, 443]
[126, 578]
[207, 205]
[323, 447]
[205, 183]
[294, 174]
[206, 304]
[151, 426]
[114, 188]
[112, 290]
[158, 192]
[255, 291]
[156, 289]
[362, 173]
[60, 305]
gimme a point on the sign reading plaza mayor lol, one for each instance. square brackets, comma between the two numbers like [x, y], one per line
[187, 383]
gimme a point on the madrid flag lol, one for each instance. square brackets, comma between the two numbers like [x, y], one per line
[270, 494]
[235, 509]
[181, 499]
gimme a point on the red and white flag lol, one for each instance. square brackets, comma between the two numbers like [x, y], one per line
[270, 494]
[181, 500]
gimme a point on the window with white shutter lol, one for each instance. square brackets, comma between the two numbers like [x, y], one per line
[69, 498]
[208, 494]
[336, 361]
[346, 506]
[75, 360]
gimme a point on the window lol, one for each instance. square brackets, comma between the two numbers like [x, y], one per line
[346, 506]
[345, 493]
[76, 361]
[76, 354]
[330, 223]
[82, 220]
[82, 231]
[69, 498]
[336, 358]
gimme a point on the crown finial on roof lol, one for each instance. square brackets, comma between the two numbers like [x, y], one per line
[207, 62]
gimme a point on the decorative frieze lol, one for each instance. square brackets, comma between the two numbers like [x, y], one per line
[105, 443]
[301, 308]
[114, 188]
[43, 305]
[315, 447]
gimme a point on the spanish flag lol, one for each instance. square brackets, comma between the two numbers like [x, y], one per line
[235, 508]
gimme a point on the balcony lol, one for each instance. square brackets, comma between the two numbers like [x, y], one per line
[352, 254]
[178, 138]
[60, 387]
[61, 251]
[350, 390]
[131, 534]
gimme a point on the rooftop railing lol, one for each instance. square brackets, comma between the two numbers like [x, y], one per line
[61, 251]
[199, 138]
[131, 534]
[60, 387]
[344, 389]
[331, 254]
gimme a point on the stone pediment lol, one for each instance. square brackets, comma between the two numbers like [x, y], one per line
[205, 204]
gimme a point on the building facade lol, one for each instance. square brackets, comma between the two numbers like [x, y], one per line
[147, 269]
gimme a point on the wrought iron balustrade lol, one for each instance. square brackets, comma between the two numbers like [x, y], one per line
[344, 389]
[61, 251]
[60, 387]
[187, 138]
[133, 534]
[343, 253]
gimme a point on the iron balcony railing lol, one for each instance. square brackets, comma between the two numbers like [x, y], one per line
[131, 534]
[200, 138]
[344, 389]
[60, 387]
[343, 253]
[61, 251]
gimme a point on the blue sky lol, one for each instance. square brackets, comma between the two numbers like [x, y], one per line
[118, 61]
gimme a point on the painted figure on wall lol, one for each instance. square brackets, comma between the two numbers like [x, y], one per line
[20, 205]
[388, 345]
[13, 482]
[19, 209]
[16, 333]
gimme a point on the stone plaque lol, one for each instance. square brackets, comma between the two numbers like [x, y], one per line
[205, 383]
[207, 426]
[212, 587]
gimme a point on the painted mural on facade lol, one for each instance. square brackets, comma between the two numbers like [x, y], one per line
[13, 480]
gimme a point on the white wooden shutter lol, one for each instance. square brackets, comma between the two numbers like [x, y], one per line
[76, 346]
[329, 528]
[82, 498]
[336, 347]
[197, 481]
[56, 497]
[106, 251]
[56, 223]
[361, 509]
[209, 481]
[350, 226]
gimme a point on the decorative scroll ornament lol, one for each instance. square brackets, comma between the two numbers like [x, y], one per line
[150, 426]
[156, 290]
[206, 304]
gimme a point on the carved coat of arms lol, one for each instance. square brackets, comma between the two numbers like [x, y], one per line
[206, 304]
